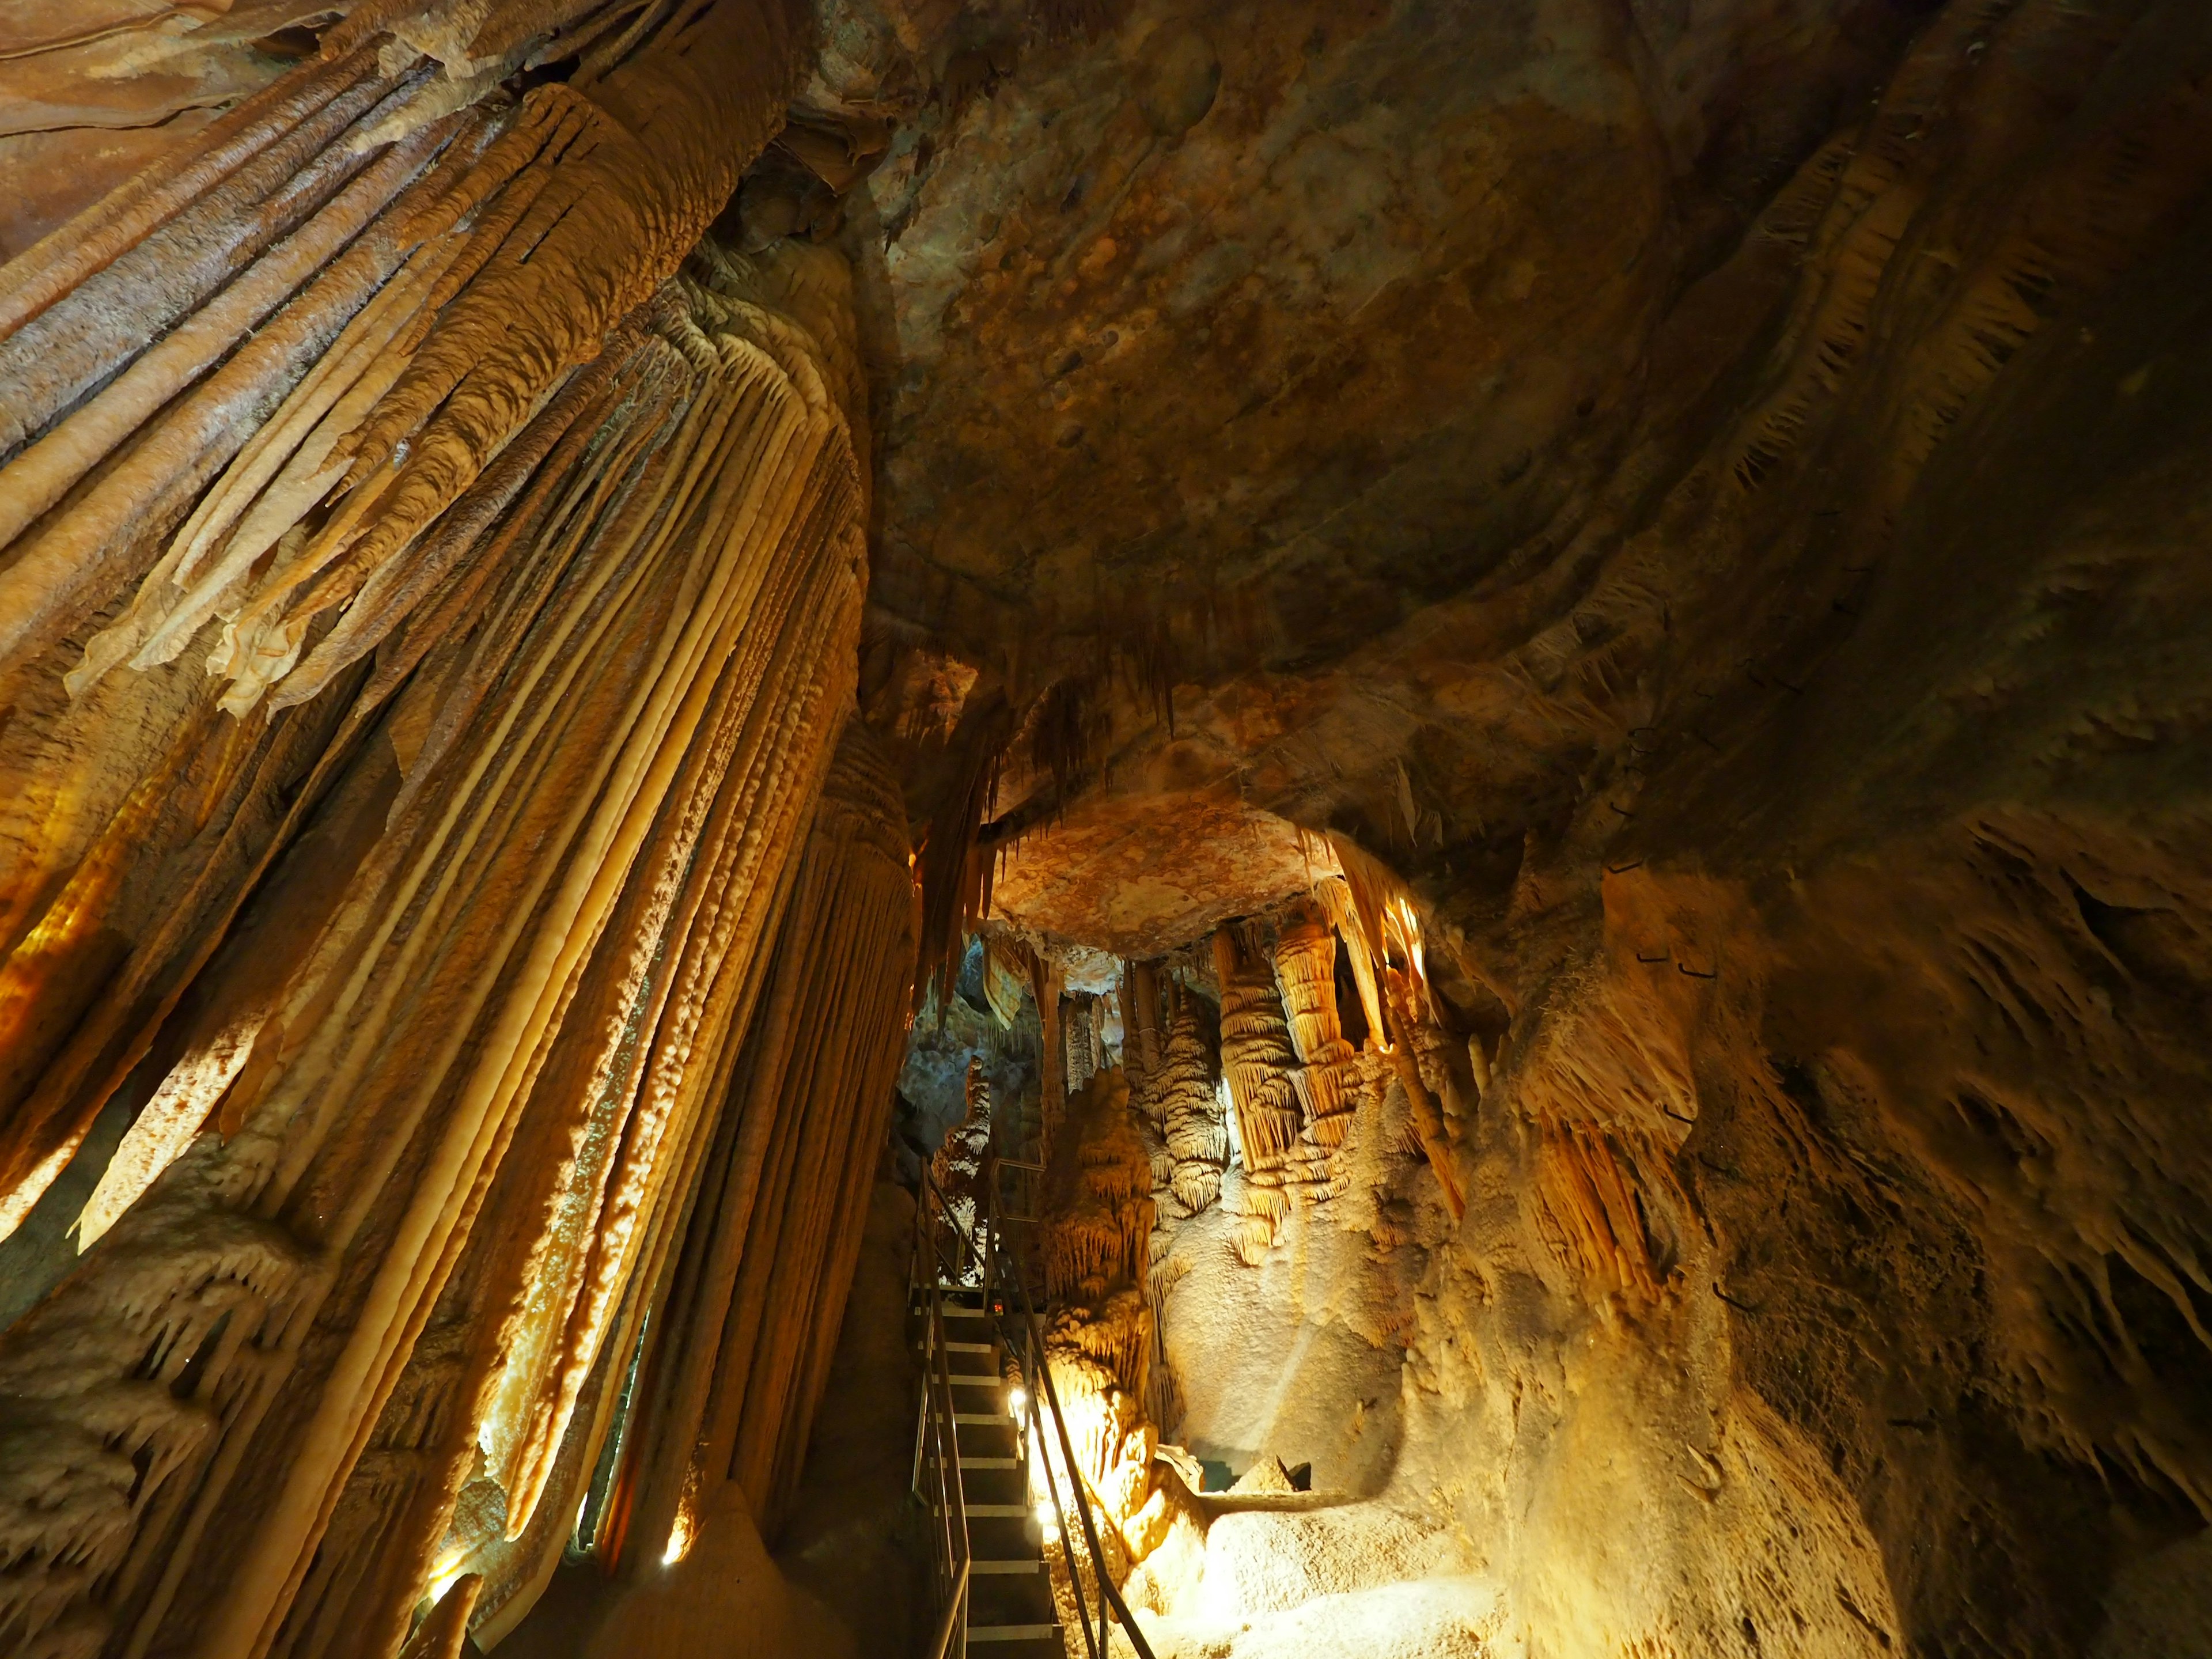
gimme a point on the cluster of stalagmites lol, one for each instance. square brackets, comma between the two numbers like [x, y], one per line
[427, 617]
[1270, 1084]
[1098, 1214]
[1289, 1081]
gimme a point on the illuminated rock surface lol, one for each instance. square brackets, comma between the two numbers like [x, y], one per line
[1526, 681]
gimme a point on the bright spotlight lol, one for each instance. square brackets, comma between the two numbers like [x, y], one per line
[679, 1540]
[1017, 1400]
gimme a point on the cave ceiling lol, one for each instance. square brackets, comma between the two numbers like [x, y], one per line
[1289, 353]
[1438, 422]
[1308, 313]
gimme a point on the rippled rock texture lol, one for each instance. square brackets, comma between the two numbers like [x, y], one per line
[1659, 543]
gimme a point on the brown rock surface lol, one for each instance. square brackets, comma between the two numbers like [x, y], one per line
[1636, 565]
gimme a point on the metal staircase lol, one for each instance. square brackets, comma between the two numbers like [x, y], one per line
[988, 1403]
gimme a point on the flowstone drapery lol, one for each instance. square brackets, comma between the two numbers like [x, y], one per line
[427, 616]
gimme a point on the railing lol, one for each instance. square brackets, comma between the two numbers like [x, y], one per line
[1038, 1372]
[937, 1459]
[946, 1255]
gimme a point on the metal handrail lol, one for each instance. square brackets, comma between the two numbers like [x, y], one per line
[1109, 1597]
[938, 1426]
[1060, 1519]
[939, 1439]
[952, 1620]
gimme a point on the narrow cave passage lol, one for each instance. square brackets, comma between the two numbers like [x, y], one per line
[1170, 828]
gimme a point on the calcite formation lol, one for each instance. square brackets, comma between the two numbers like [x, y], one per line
[1099, 1198]
[958, 1171]
[1192, 1125]
[1305, 976]
[1571, 636]
[427, 615]
[750, 1316]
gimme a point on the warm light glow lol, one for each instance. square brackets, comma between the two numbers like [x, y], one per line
[1407, 926]
[1048, 1521]
[166, 1126]
[448, 1574]
[1017, 1400]
[679, 1540]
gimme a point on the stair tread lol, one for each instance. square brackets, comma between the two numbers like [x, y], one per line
[1009, 1566]
[999, 1418]
[997, 1511]
[1010, 1632]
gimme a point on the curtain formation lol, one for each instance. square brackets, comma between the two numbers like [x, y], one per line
[752, 1317]
[427, 615]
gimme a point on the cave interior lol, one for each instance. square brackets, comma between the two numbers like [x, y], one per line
[1455, 752]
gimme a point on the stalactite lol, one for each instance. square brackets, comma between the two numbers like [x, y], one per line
[750, 1303]
[531, 804]
[1427, 1121]
[1305, 974]
[1376, 916]
[1145, 1013]
[1190, 1109]
[1006, 977]
[1098, 1201]
[361, 218]
[1256, 1055]
[1046, 979]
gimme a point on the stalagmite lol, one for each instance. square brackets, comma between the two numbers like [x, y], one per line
[1078, 1020]
[959, 1169]
[1259, 1064]
[1256, 1055]
[1097, 1224]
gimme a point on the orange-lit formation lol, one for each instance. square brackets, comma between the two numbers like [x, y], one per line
[1229, 827]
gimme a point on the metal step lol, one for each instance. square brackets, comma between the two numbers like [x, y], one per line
[990, 1462]
[1002, 1419]
[970, 1347]
[1006, 1566]
[1011, 1632]
[998, 1511]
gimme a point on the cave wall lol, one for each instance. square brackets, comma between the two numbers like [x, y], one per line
[1806, 814]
